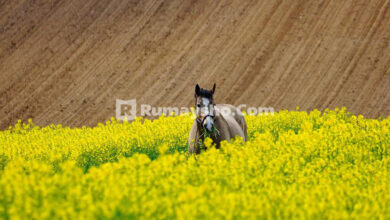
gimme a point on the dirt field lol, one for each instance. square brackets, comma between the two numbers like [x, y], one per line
[67, 61]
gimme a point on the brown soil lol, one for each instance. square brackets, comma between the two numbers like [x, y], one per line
[67, 61]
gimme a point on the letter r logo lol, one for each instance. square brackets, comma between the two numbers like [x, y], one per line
[126, 109]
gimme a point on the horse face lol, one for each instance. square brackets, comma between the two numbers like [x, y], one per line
[205, 107]
[206, 113]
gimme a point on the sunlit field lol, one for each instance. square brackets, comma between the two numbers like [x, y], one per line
[295, 165]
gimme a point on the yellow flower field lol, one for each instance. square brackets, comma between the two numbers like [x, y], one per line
[330, 165]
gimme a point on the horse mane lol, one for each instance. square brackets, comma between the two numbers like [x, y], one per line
[206, 93]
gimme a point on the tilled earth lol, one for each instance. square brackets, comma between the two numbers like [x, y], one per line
[67, 61]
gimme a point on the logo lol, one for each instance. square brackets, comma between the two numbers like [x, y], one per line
[126, 110]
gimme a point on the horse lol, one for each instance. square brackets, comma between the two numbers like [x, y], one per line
[217, 121]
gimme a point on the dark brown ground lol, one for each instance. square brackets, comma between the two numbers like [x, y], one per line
[67, 61]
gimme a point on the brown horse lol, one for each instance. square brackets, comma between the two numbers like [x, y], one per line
[217, 121]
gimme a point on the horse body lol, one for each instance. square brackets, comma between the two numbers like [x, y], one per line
[235, 119]
[227, 121]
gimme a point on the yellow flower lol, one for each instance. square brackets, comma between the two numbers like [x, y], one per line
[294, 165]
[208, 142]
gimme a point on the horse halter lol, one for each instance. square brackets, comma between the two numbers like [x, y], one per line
[204, 118]
[211, 115]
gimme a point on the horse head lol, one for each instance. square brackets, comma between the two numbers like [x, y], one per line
[205, 108]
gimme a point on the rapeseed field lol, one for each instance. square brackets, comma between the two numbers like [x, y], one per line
[316, 165]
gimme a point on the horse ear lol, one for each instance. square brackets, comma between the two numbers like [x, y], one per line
[197, 90]
[213, 90]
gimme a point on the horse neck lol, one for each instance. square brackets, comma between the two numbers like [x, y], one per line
[222, 126]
